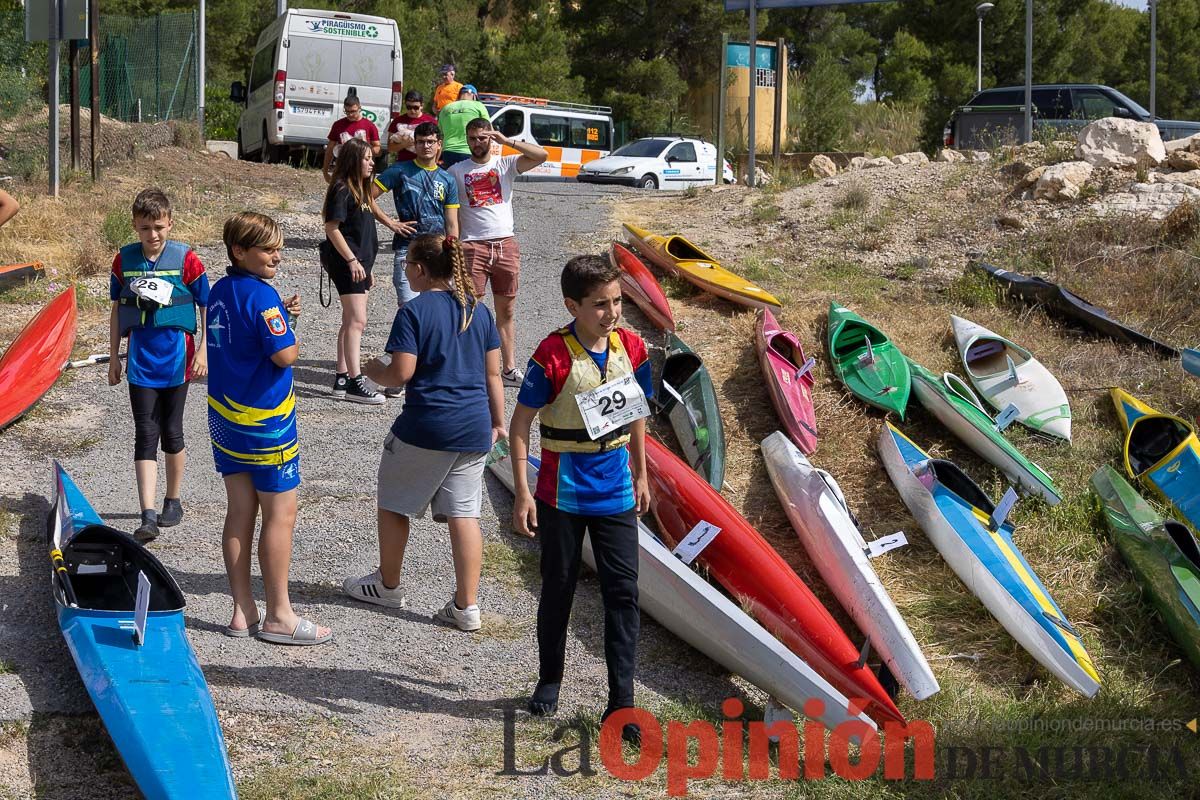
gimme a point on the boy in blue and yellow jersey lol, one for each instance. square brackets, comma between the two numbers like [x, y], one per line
[252, 421]
[157, 286]
[589, 384]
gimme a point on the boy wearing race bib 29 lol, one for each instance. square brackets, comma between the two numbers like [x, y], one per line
[589, 384]
[158, 288]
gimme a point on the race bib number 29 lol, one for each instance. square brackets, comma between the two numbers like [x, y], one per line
[612, 405]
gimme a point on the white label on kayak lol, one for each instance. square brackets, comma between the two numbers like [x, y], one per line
[1003, 508]
[869, 356]
[612, 405]
[140, 608]
[91, 569]
[697, 539]
[1007, 416]
[886, 543]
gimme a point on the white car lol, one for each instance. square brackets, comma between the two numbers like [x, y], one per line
[658, 162]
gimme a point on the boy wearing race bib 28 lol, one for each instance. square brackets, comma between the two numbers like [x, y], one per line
[589, 385]
[158, 288]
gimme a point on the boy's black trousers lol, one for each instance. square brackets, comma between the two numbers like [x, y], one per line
[614, 541]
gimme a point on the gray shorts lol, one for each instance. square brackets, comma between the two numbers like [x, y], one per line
[412, 478]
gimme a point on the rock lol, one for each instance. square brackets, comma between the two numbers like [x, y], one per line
[900, 160]
[857, 162]
[1153, 200]
[1030, 151]
[1017, 169]
[822, 166]
[916, 157]
[977, 156]
[1116, 142]
[1030, 178]
[221, 147]
[1186, 143]
[831, 182]
[1010, 221]
[761, 177]
[1183, 160]
[1062, 181]
[1191, 178]
[872, 163]
[950, 156]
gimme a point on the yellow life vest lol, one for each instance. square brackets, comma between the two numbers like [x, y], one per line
[561, 424]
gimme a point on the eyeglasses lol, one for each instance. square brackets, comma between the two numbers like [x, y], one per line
[426, 142]
[414, 107]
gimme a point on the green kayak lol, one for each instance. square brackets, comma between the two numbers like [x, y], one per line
[951, 400]
[687, 397]
[865, 359]
[1163, 554]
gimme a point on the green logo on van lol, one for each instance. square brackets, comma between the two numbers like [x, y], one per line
[370, 116]
[341, 27]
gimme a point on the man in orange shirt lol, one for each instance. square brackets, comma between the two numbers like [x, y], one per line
[447, 91]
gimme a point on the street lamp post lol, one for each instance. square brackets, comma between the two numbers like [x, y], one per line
[1153, 51]
[980, 10]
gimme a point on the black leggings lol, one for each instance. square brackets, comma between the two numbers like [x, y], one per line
[615, 547]
[157, 412]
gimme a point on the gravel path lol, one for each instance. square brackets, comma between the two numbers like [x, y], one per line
[390, 676]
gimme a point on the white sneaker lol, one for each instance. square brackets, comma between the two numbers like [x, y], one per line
[465, 619]
[512, 377]
[393, 391]
[370, 589]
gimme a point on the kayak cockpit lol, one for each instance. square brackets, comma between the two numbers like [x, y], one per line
[955, 480]
[988, 356]
[683, 250]
[103, 565]
[1151, 439]
[852, 338]
[1184, 540]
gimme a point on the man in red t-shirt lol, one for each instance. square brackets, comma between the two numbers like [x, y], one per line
[400, 129]
[351, 126]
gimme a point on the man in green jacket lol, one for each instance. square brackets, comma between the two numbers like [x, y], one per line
[453, 119]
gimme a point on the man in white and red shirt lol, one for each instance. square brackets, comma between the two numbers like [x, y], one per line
[351, 126]
[485, 224]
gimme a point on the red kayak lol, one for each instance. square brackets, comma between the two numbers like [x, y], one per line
[788, 382]
[759, 579]
[639, 284]
[35, 359]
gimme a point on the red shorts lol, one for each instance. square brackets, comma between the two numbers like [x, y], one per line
[497, 260]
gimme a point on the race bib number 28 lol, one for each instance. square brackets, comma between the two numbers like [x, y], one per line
[612, 405]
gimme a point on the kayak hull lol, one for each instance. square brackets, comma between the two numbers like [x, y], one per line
[678, 256]
[780, 356]
[1162, 553]
[1040, 400]
[152, 696]
[36, 358]
[878, 375]
[1162, 453]
[640, 286]
[695, 611]
[832, 539]
[953, 511]
[977, 430]
[13, 275]
[690, 402]
[1067, 305]
[759, 579]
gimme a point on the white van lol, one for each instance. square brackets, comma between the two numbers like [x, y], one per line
[573, 134]
[305, 64]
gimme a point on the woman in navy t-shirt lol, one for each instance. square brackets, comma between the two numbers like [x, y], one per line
[445, 350]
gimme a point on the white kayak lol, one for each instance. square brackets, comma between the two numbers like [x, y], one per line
[695, 611]
[817, 509]
[956, 515]
[1007, 374]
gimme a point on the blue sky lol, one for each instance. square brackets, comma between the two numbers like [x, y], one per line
[1140, 4]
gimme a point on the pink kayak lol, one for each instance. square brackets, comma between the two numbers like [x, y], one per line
[789, 382]
[639, 284]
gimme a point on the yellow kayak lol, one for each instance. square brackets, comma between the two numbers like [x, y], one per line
[680, 257]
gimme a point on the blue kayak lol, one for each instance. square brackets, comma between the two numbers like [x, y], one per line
[956, 515]
[1161, 451]
[151, 695]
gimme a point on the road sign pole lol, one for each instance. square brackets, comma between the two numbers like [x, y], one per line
[94, 45]
[53, 68]
[780, 71]
[1028, 70]
[753, 91]
[721, 88]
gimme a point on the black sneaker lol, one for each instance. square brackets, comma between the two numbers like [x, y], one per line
[172, 512]
[149, 527]
[356, 392]
[339, 385]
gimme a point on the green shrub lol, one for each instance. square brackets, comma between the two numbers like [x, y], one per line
[885, 128]
[118, 228]
[820, 103]
[220, 113]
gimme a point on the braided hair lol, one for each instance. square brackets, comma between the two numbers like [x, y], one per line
[443, 259]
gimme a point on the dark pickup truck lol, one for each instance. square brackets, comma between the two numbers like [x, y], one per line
[997, 116]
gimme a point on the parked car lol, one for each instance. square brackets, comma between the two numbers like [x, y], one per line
[995, 116]
[305, 63]
[658, 162]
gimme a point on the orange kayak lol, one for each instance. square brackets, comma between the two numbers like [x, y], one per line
[640, 286]
[12, 275]
[35, 359]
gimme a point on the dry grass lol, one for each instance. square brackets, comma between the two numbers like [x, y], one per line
[985, 675]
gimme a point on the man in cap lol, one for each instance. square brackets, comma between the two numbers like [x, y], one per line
[446, 92]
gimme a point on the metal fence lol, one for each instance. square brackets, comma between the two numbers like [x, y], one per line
[148, 67]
